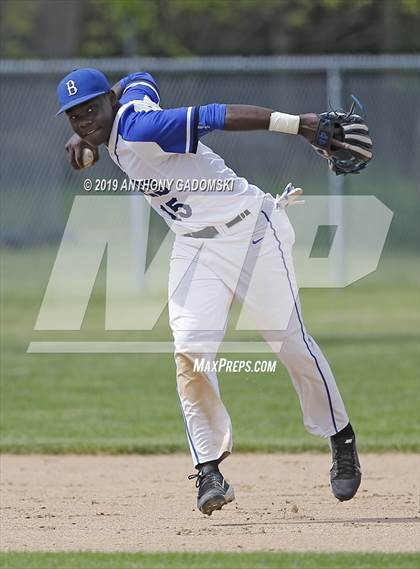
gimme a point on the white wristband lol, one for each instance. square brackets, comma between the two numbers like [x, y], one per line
[281, 122]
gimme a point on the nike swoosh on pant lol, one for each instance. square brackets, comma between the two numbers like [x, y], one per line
[257, 241]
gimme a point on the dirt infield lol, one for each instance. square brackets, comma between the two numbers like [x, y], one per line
[146, 503]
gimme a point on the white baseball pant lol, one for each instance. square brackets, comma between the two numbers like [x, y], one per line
[253, 261]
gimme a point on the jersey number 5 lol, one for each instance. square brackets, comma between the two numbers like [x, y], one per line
[176, 210]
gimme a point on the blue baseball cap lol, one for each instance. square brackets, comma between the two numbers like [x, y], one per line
[79, 86]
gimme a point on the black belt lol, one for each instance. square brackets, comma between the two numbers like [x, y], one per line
[210, 231]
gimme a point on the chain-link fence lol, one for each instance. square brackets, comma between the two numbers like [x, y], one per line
[38, 184]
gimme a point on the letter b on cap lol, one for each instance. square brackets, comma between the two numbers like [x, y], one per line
[71, 88]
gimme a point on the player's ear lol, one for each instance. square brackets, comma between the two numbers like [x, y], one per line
[113, 98]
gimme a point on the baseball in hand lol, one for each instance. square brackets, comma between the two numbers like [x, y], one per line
[87, 157]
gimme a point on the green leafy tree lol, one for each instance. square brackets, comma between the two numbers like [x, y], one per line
[105, 28]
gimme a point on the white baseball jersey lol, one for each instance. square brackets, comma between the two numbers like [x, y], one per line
[187, 183]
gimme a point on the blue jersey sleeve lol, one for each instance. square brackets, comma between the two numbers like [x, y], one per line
[211, 117]
[174, 130]
[137, 85]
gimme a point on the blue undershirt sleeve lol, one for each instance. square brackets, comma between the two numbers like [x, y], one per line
[211, 117]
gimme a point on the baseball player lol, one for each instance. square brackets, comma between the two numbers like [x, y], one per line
[235, 242]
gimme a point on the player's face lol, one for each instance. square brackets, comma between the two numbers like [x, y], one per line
[93, 120]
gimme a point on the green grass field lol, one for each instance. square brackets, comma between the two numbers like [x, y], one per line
[207, 561]
[127, 402]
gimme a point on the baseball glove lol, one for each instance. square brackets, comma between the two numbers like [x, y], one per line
[343, 139]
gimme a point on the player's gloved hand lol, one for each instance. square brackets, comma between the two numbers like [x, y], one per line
[75, 146]
[341, 138]
[289, 196]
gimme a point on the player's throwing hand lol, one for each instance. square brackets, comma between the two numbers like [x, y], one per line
[76, 147]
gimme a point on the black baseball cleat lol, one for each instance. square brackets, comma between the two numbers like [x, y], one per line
[213, 490]
[345, 474]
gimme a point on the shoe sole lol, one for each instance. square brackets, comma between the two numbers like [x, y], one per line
[217, 502]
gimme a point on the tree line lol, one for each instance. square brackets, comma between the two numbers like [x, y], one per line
[173, 28]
